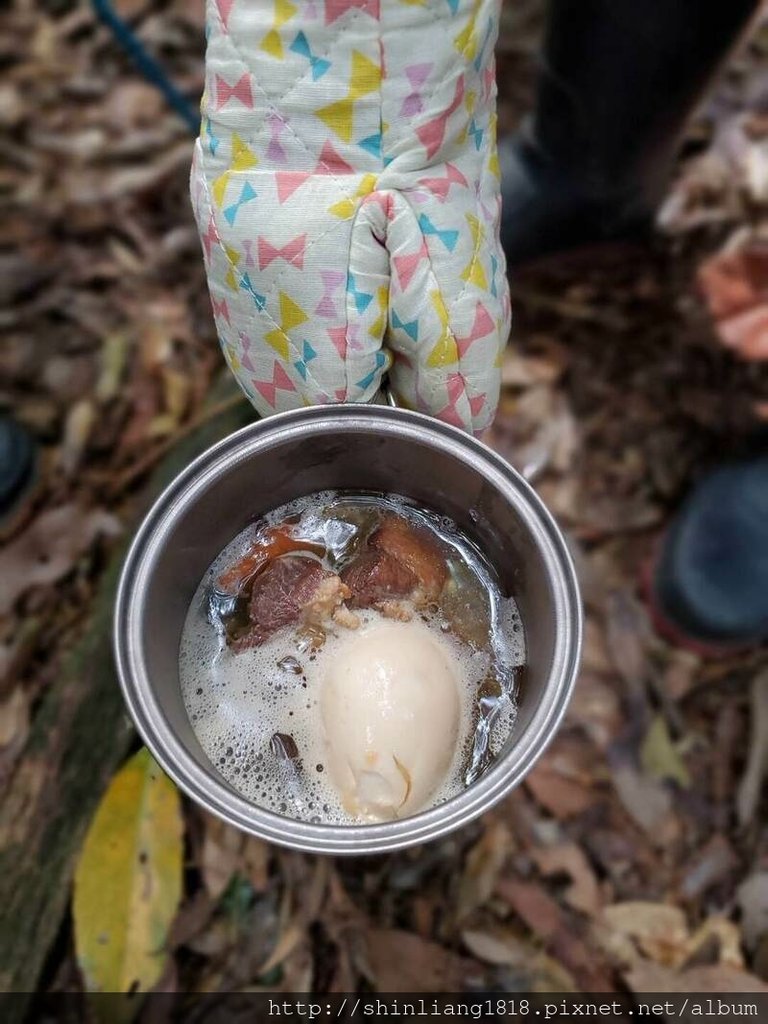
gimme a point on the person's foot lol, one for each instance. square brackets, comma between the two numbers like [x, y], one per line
[709, 586]
[545, 211]
[17, 461]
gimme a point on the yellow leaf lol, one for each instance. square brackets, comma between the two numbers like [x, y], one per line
[128, 880]
[635, 929]
[114, 354]
[660, 757]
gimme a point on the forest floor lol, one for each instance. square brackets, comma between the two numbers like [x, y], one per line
[635, 854]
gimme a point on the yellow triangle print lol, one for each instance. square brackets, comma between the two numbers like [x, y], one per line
[376, 330]
[338, 116]
[347, 208]
[474, 274]
[277, 340]
[243, 157]
[234, 258]
[466, 41]
[273, 44]
[445, 352]
[344, 209]
[367, 184]
[219, 188]
[365, 76]
[232, 357]
[440, 309]
[284, 11]
[291, 314]
[493, 162]
[475, 228]
[503, 338]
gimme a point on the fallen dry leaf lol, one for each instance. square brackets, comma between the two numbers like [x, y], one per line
[680, 673]
[220, 855]
[627, 637]
[636, 929]
[660, 757]
[533, 905]
[14, 717]
[225, 851]
[583, 893]
[49, 548]
[481, 869]
[401, 962]
[596, 709]
[594, 653]
[646, 801]
[563, 797]
[128, 881]
[649, 977]
[717, 939]
[562, 780]
[534, 971]
[290, 939]
[637, 933]
[710, 865]
[78, 427]
[496, 946]
[752, 898]
[751, 785]
[524, 370]
[114, 354]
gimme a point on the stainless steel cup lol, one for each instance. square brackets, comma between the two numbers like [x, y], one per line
[353, 447]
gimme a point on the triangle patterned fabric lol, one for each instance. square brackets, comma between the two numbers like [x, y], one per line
[346, 188]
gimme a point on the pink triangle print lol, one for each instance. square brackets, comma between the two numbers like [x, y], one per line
[331, 163]
[338, 336]
[225, 9]
[288, 182]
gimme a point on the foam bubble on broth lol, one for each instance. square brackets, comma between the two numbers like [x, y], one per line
[238, 701]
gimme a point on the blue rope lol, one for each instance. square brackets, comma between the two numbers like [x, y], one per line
[147, 64]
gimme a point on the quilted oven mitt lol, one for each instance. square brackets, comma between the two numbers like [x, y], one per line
[346, 188]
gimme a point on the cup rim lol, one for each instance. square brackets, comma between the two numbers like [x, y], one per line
[209, 789]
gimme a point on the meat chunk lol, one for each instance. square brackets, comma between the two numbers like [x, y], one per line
[282, 594]
[376, 576]
[415, 549]
[271, 544]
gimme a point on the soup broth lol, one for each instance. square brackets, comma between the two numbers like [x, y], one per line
[288, 597]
